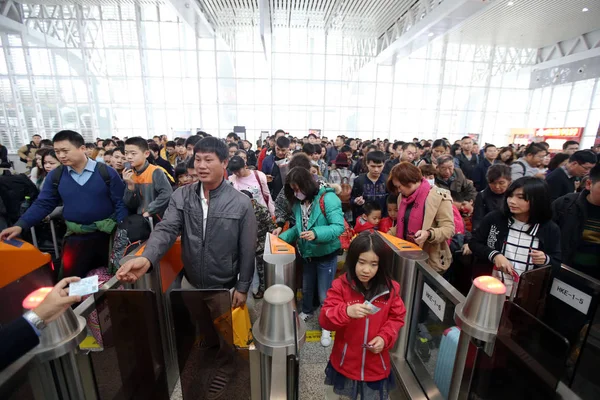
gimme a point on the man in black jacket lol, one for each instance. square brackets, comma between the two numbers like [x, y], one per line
[562, 180]
[578, 216]
[467, 160]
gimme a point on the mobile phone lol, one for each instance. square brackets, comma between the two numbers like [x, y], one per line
[127, 165]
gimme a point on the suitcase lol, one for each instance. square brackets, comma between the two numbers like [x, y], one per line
[445, 360]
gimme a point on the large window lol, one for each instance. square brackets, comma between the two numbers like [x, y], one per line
[139, 70]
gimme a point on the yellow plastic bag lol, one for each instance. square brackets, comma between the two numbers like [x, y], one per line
[242, 329]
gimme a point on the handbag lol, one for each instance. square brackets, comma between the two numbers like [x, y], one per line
[242, 328]
[347, 235]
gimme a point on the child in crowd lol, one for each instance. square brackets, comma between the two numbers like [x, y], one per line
[191, 171]
[365, 310]
[181, 151]
[465, 207]
[370, 186]
[181, 175]
[148, 188]
[389, 222]
[429, 173]
[370, 219]
[265, 225]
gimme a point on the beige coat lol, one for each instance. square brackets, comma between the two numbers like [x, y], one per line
[440, 219]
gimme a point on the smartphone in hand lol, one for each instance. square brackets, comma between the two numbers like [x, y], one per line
[127, 165]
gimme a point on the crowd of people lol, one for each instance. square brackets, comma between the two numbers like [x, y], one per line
[512, 208]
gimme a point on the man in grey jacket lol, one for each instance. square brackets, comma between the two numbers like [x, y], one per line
[217, 226]
[218, 241]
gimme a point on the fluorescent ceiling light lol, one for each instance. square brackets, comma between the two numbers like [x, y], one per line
[510, 3]
[585, 9]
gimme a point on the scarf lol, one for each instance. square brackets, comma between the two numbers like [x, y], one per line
[417, 213]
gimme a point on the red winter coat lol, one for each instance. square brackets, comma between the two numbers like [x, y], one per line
[348, 356]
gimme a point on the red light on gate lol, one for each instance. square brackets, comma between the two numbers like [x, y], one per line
[35, 298]
[490, 284]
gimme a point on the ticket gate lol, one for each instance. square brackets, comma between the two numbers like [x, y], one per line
[480, 346]
[278, 332]
[280, 265]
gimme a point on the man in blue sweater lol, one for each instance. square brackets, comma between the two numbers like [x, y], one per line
[92, 195]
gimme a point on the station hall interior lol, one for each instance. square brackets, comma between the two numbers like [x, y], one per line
[501, 72]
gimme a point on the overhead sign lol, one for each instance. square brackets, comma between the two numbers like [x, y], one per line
[555, 137]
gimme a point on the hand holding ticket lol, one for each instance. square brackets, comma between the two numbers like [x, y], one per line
[374, 308]
[84, 287]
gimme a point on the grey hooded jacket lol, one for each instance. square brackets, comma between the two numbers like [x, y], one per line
[214, 259]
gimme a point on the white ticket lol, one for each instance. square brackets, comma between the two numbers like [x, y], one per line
[85, 286]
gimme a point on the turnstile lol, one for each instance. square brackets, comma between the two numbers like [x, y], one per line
[280, 263]
[481, 346]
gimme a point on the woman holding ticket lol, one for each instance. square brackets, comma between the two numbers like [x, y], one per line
[365, 310]
[521, 236]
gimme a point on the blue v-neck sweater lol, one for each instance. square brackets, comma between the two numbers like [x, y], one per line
[83, 204]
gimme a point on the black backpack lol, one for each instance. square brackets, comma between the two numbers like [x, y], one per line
[13, 190]
[58, 172]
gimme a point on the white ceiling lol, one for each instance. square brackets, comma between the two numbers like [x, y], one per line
[529, 23]
[361, 18]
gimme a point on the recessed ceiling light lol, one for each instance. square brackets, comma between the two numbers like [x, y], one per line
[431, 34]
[585, 9]
[510, 3]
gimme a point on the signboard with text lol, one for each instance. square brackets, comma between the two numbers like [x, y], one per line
[555, 137]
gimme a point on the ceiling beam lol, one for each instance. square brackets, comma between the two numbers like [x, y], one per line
[265, 27]
[190, 12]
[424, 21]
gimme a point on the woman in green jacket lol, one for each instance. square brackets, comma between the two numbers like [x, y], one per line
[319, 223]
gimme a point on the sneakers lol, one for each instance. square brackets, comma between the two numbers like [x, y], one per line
[325, 338]
[304, 317]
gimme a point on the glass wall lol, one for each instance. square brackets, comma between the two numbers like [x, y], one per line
[138, 70]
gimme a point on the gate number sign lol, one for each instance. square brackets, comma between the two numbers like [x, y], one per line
[570, 295]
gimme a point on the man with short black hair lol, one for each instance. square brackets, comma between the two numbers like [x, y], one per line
[370, 187]
[92, 198]
[269, 148]
[27, 152]
[333, 151]
[189, 145]
[397, 156]
[570, 147]
[218, 241]
[270, 166]
[578, 217]
[109, 144]
[561, 181]
[158, 160]
[467, 160]
[232, 137]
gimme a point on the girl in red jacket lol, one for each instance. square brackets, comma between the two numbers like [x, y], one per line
[365, 310]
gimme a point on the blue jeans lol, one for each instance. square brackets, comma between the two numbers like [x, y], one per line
[317, 275]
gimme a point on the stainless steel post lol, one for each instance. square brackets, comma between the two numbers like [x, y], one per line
[57, 374]
[54, 239]
[459, 365]
[478, 318]
[280, 264]
[276, 336]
